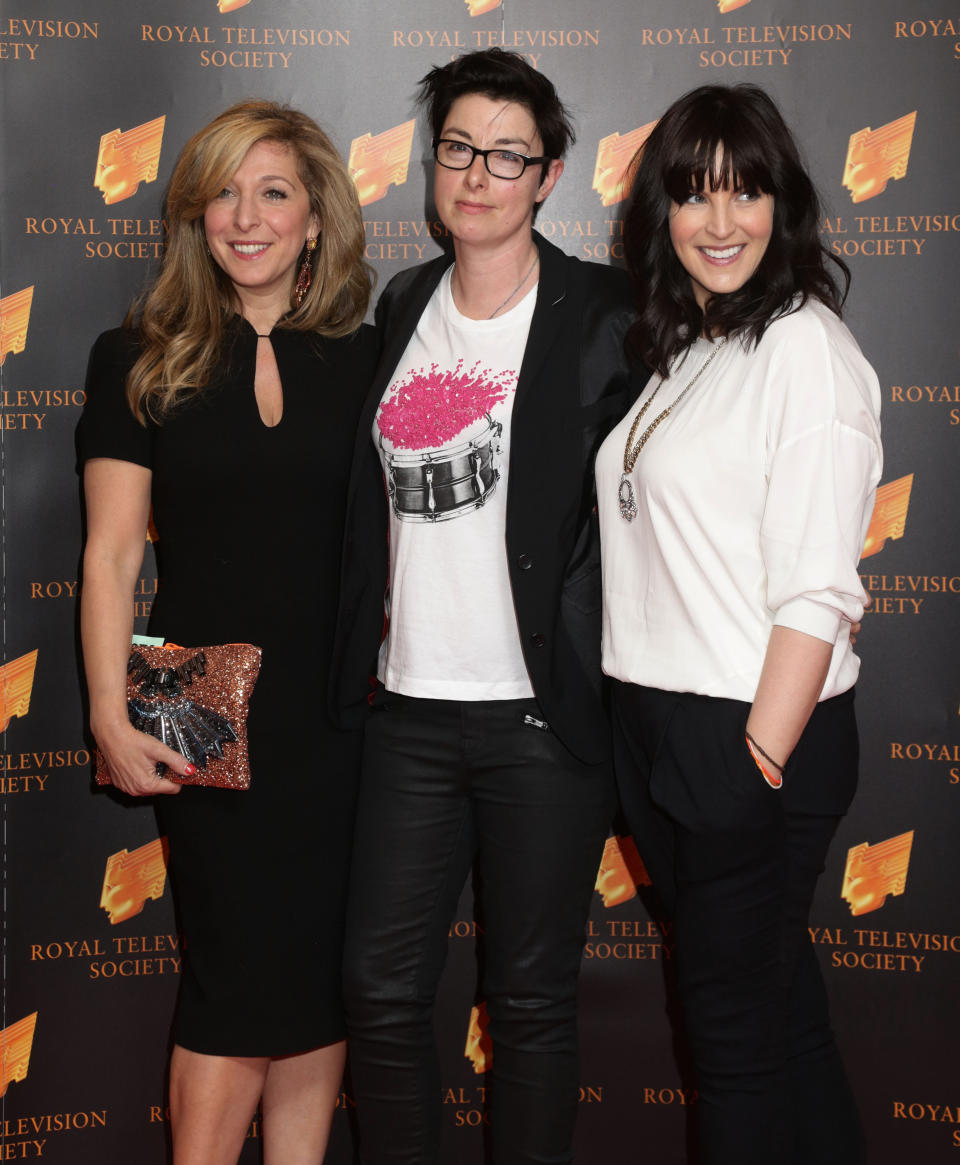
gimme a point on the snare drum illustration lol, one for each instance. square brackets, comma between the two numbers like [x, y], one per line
[437, 486]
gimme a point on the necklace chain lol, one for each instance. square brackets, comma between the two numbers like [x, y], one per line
[630, 455]
[631, 451]
[536, 260]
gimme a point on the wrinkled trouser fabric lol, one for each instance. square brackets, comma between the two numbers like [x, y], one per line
[448, 787]
[736, 864]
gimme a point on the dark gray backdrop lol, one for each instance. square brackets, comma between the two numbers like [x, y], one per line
[103, 994]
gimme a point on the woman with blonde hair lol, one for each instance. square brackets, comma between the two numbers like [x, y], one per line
[227, 402]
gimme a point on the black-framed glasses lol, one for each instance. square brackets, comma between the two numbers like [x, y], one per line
[457, 155]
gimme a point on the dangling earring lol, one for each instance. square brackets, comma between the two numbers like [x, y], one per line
[305, 273]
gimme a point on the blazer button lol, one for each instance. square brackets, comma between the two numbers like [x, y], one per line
[537, 639]
[524, 562]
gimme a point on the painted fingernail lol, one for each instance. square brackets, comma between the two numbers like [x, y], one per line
[190, 770]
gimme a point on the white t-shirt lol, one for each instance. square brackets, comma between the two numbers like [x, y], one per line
[443, 433]
[754, 497]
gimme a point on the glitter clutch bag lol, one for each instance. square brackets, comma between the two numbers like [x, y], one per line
[194, 700]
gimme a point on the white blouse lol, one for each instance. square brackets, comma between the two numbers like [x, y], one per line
[754, 497]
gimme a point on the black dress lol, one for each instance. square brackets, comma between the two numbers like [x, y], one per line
[250, 523]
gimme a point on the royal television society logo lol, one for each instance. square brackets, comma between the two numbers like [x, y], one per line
[246, 46]
[478, 7]
[930, 394]
[621, 871]
[948, 30]
[612, 177]
[16, 687]
[724, 6]
[14, 322]
[875, 156]
[378, 162]
[873, 872]
[16, 1043]
[22, 36]
[126, 159]
[871, 875]
[131, 877]
[889, 518]
[224, 6]
[479, 1047]
[738, 46]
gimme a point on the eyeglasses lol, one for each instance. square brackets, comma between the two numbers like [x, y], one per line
[455, 155]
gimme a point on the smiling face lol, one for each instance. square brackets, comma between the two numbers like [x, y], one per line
[257, 225]
[477, 208]
[720, 236]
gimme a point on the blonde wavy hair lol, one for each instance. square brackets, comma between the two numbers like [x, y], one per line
[182, 317]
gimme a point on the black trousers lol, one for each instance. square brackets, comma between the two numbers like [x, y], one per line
[447, 787]
[736, 864]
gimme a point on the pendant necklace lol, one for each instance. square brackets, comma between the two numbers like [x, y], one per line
[625, 496]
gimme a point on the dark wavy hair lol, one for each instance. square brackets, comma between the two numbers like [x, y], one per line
[723, 137]
[502, 76]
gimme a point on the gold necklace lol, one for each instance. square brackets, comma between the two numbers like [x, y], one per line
[625, 496]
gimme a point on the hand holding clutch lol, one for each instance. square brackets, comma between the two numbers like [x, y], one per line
[195, 701]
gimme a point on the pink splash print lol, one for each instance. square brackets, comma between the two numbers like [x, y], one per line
[427, 410]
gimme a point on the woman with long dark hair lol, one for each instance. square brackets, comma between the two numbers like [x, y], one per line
[734, 499]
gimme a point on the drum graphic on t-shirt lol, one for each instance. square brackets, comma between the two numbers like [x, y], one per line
[440, 444]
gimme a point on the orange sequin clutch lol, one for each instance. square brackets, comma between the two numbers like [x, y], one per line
[195, 700]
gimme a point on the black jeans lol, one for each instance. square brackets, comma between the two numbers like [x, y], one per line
[736, 864]
[448, 786]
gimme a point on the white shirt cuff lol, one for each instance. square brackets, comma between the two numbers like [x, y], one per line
[811, 617]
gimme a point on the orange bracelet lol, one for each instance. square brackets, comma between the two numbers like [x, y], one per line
[774, 781]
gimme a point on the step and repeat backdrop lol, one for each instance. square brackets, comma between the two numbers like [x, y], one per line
[98, 98]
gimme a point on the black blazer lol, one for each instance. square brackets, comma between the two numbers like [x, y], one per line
[575, 383]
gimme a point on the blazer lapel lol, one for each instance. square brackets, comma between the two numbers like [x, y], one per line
[406, 309]
[547, 319]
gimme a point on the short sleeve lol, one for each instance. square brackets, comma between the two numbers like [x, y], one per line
[107, 427]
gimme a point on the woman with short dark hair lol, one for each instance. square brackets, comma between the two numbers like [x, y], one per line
[488, 743]
[734, 500]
